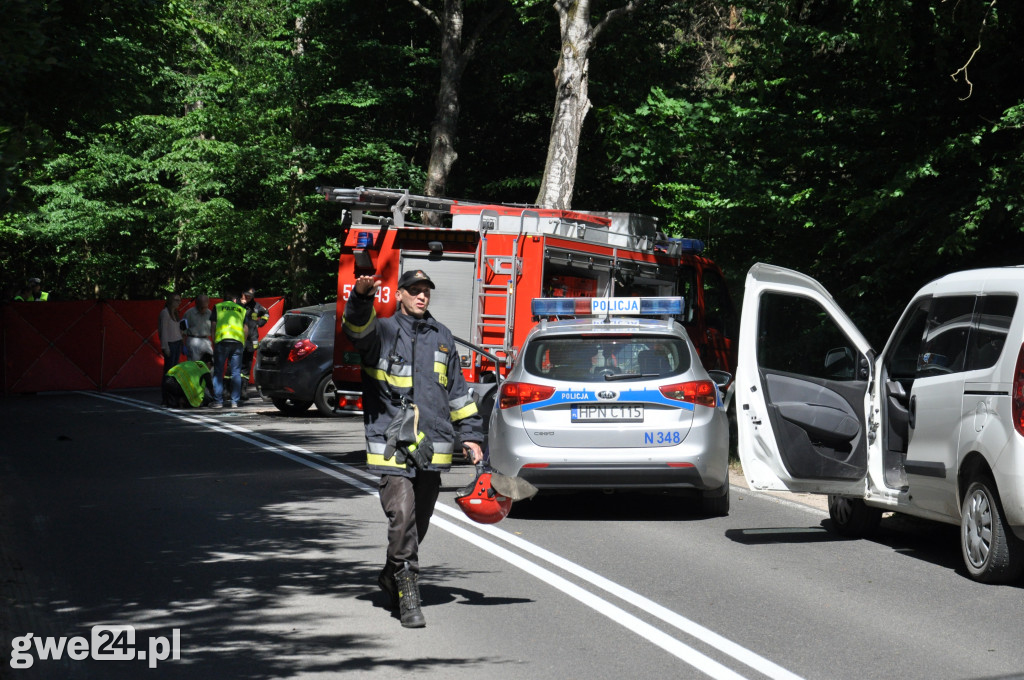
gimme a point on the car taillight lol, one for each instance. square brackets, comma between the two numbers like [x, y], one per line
[518, 394]
[301, 349]
[353, 403]
[699, 392]
[1017, 402]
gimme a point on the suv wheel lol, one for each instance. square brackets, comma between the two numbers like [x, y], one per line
[324, 397]
[992, 553]
[852, 517]
[291, 407]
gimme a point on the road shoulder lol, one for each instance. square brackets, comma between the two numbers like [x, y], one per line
[814, 500]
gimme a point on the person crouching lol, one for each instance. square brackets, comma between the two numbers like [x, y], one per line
[187, 385]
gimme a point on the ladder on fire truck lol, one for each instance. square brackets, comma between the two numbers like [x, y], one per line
[496, 274]
[398, 202]
[497, 278]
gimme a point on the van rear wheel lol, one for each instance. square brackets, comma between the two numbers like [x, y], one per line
[853, 517]
[992, 553]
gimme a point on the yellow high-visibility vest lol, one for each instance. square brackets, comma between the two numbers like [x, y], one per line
[189, 375]
[230, 322]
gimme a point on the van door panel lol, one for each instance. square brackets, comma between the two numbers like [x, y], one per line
[802, 382]
[936, 403]
[819, 429]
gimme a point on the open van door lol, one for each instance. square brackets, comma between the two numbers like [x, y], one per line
[802, 388]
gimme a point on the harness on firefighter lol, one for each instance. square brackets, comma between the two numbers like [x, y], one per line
[405, 441]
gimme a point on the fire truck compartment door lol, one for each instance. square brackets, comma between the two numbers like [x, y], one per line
[451, 303]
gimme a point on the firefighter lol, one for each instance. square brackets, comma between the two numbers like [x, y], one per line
[227, 323]
[409, 359]
[256, 317]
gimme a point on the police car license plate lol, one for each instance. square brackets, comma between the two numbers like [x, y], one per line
[607, 413]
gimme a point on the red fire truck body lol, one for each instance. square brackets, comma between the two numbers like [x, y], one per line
[489, 261]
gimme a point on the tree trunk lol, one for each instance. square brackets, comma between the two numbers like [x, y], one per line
[446, 116]
[572, 98]
[299, 243]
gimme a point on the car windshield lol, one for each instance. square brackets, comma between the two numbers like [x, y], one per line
[590, 358]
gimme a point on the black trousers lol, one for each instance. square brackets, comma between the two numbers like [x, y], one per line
[247, 354]
[408, 504]
[172, 394]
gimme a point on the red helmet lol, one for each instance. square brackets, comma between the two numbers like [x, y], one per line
[480, 501]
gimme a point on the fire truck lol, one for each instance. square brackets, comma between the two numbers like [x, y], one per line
[488, 261]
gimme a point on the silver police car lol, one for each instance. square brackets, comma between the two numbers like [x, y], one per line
[612, 400]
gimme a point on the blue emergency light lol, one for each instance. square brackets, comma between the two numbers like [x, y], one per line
[693, 246]
[627, 306]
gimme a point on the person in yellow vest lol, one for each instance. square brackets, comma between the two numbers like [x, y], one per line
[227, 323]
[33, 292]
[186, 385]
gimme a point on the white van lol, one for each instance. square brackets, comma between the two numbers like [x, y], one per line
[933, 426]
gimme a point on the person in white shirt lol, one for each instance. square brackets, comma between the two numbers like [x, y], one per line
[170, 331]
[198, 344]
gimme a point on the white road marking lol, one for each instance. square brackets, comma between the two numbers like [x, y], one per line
[658, 637]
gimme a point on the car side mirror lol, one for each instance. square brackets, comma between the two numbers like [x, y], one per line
[720, 378]
[840, 363]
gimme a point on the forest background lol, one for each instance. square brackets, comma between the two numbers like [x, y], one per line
[151, 146]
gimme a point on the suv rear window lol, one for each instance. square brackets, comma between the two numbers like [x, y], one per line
[589, 358]
[292, 325]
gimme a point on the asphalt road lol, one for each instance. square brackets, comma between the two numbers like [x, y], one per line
[244, 544]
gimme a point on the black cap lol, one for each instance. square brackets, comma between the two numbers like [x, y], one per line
[414, 276]
[34, 281]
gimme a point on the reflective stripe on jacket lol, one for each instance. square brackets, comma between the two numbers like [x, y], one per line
[256, 317]
[230, 322]
[402, 356]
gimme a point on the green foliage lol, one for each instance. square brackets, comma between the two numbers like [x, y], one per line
[150, 145]
[203, 179]
[831, 139]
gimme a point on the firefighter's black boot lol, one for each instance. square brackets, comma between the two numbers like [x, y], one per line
[409, 598]
[386, 581]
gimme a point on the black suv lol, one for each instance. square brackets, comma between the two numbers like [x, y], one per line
[293, 368]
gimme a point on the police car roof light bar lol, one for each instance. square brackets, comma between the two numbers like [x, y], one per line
[631, 306]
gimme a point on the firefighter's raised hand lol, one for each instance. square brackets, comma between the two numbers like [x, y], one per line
[367, 285]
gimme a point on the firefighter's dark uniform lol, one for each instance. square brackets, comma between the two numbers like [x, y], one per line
[403, 356]
[256, 317]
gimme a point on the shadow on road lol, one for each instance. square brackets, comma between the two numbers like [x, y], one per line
[618, 506]
[932, 542]
[114, 516]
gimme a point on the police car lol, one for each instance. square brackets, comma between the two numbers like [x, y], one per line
[613, 399]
